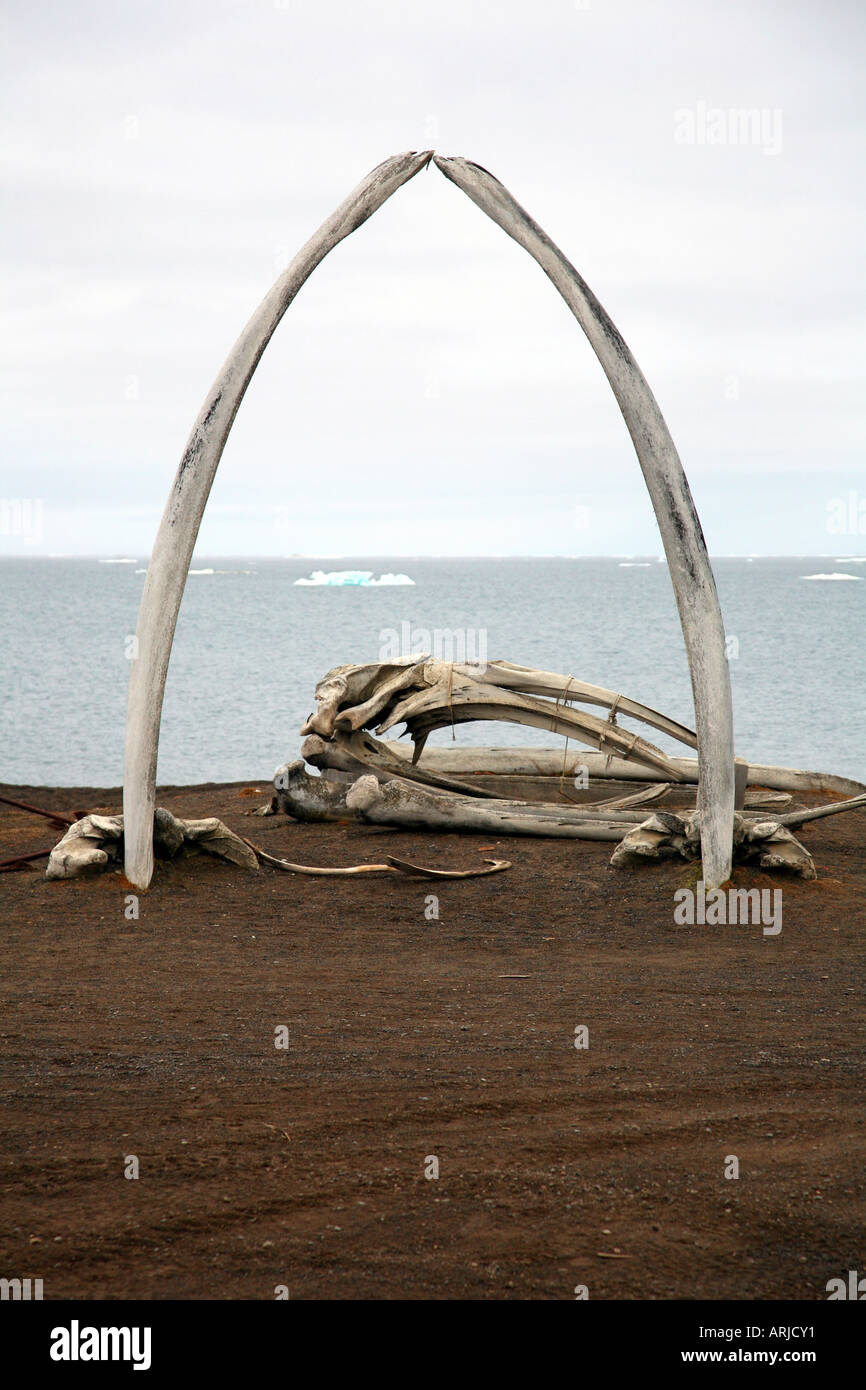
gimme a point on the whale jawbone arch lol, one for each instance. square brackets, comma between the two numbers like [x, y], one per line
[678, 522]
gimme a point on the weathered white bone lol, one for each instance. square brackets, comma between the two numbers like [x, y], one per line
[567, 763]
[759, 797]
[530, 681]
[178, 530]
[358, 693]
[392, 866]
[351, 697]
[855, 803]
[638, 798]
[88, 844]
[94, 841]
[374, 755]
[332, 755]
[682, 537]
[431, 694]
[662, 835]
[307, 798]
[467, 700]
[215, 838]
[402, 803]
[666, 834]
[349, 756]
[775, 847]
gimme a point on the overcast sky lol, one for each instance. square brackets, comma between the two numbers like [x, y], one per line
[428, 392]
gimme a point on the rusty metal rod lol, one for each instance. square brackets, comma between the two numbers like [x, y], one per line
[60, 817]
[7, 865]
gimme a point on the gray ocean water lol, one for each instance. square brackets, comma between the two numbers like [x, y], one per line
[250, 647]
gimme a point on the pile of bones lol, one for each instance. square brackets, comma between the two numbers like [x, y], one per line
[387, 783]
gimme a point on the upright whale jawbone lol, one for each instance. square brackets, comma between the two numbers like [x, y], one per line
[683, 539]
[179, 527]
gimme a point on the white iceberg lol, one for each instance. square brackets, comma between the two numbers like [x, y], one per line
[344, 577]
[854, 578]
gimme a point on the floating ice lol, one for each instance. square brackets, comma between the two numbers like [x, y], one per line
[342, 577]
[854, 578]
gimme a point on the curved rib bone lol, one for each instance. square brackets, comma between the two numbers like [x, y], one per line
[565, 688]
[391, 866]
[438, 708]
[175, 541]
[678, 522]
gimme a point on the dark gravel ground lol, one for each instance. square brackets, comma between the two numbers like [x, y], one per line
[410, 1038]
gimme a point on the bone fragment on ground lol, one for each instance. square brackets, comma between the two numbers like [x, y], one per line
[392, 866]
[667, 834]
[95, 841]
[88, 845]
[403, 803]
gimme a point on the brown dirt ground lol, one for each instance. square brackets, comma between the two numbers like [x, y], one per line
[411, 1038]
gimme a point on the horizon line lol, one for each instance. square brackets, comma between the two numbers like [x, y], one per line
[120, 558]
